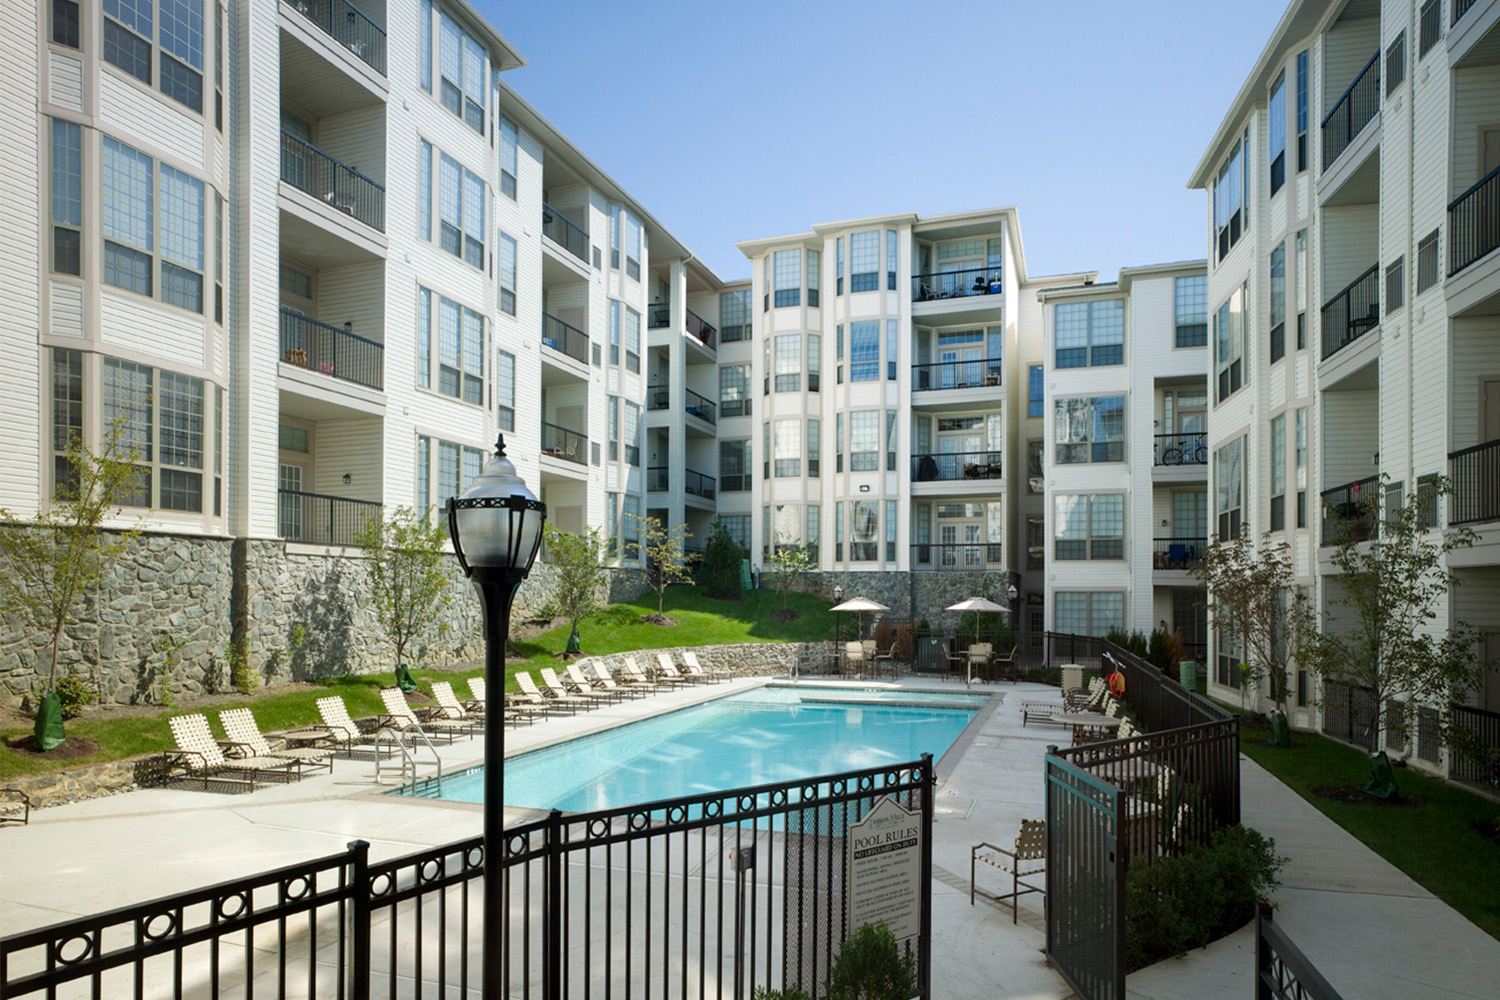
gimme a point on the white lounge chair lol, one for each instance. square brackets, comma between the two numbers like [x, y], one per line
[579, 683]
[199, 755]
[667, 669]
[630, 688]
[532, 695]
[400, 717]
[557, 689]
[450, 708]
[245, 737]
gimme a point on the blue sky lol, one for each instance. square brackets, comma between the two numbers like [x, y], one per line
[733, 121]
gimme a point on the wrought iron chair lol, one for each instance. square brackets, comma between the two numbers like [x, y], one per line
[1027, 858]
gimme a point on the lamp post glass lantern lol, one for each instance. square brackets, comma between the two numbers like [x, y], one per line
[496, 526]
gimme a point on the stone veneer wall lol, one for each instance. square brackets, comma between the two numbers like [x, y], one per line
[297, 613]
[78, 784]
[910, 596]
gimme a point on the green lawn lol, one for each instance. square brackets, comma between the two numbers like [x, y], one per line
[701, 622]
[1434, 841]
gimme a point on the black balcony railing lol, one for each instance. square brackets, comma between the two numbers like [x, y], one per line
[348, 26]
[1351, 510]
[1187, 448]
[564, 337]
[734, 407]
[951, 466]
[955, 284]
[1352, 313]
[657, 478]
[562, 231]
[658, 397]
[318, 519]
[1460, 8]
[1352, 112]
[331, 350]
[559, 442]
[696, 484]
[1474, 223]
[1483, 728]
[307, 168]
[1476, 483]
[658, 315]
[972, 556]
[956, 374]
[700, 328]
[1177, 553]
[700, 406]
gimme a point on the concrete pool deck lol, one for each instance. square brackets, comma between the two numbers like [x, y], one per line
[1371, 930]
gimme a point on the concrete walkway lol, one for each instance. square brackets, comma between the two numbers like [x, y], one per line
[1370, 930]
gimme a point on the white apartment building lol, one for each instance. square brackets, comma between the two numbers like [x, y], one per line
[1354, 295]
[1121, 456]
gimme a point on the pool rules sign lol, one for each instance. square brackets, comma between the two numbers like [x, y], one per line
[885, 868]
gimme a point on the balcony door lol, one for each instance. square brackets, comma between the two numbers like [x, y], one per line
[956, 449]
[956, 376]
[289, 503]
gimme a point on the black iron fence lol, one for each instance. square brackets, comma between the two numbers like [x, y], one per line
[1352, 112]
[956, 284]
[562, 231]
[331, 350]
[1352, 313]
[1349, 714]
[1177, 553]
[696, 484]
[657, 478]
[1086, 867]
[1282, 972]
[706, 896]
[700, 328]
[1159, 701]
[564, 337]
[1476, 752]
[348, 26]
[947, 466]
[321, 519]
[307, 168]
[658, 315]
[1351, 511]
[974, 557]
[700, 406]
[559, 442]
[1474, 222]
[1187, 448]
[1476, 483]
[658, 397]
[956, 374]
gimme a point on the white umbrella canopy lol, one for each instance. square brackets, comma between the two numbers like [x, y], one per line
[859, 604]
[978, 604]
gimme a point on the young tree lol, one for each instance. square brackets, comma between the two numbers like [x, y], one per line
[52, 560]
[1252, 596]
[663, 549]
[721, 564]
[409, 583]
[787, 561]
[578, 562]
[1381, 625]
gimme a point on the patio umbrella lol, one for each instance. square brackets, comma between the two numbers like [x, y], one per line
[860, 604]
[978, 605]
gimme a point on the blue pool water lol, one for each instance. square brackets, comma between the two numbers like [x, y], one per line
[768, 735]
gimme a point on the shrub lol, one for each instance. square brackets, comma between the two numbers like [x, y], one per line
[719, 574]
[885, 634]
[906, 644]
[871, 967]
[74, 692]
[1177, 903]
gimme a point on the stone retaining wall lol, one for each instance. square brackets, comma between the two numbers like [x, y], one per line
[757, 657]
[78, 784]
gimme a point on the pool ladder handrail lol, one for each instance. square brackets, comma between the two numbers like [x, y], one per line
[407, 758]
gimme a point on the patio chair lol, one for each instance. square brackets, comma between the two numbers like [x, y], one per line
[198, 754]
[958, 662]
[342, 730]
[854, 658]
[478, 701]
[245, 738]
[1072, 678]
[557, 688]
[450, 708]
[534, 695]
[887, 656]
[399, 716]
[578, 683]
[1005, 664]
[1041, 711]
[666, 668]
[978, 665]
[636, 675]
[15, 806]
[607, 682]
[1027, 858]
[695, 669]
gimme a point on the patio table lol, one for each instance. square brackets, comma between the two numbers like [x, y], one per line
[1079, 721]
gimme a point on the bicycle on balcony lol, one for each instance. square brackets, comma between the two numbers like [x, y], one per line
[1186, 453]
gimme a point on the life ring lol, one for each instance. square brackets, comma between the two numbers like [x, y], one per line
[1117, 684]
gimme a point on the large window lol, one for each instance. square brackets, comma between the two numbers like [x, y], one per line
[1034, 398]
[1192, 310]
[788, 277]
[789, 362]
[1089, 429]
[1276, 115]
[507, 274]
[632, 340]
[461, 66]
[67, 197]
[734, 315]
[814, 447]
[864, 261]
[457, 465]
[505, 390]
[459, 362]
[738, 526]
[635, 240]
[1087, 612]
[1229, 488]
[1231, 190]
[814, 266]
[864, 530]
[1230, 347]
[128, 32]
[1089, 526]
[632, 433]
[131, 222]
[1302, 158]
[509, 143]
[864, 441]
[734, 390]
[460, 204]
[734, 466]
[1278, 303]
[160, 416]
[1278, 472]
[630, 529]
[814, 362]
[1300, 446]
[864, 351]
[788, 444]
[1090, 333]
[890, 264]
[838, 266]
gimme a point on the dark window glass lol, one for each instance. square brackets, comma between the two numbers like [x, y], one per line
[127, 50]
[65, 23]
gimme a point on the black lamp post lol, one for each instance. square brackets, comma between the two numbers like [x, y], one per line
[838, 632]
[496, 526]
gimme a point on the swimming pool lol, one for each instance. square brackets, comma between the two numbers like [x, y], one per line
[770, 734]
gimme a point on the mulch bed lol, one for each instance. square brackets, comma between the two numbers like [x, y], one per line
[72, 748]
[656, 619]
[785, 615]
[1351, 795]
[1489, 829]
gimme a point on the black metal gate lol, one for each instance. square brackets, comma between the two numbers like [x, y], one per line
[1085, 881]
[1349, 714]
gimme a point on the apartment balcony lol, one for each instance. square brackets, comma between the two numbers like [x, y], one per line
[695, 485]
[976, 557]
[1187, 448]
[1476, 484]
[565, 233]
[320, 519]
[564, 446]
[956, 284]
[1177, 554]
[963, 474]
[330, 350]
[659, 317]
[658, 478]
[347, 25]
[1349, 510]
[980, 373]
[565, 339]
[1353, 111]
[337, 185]
[1352, 313]
[659, 398]
[1474, 223]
